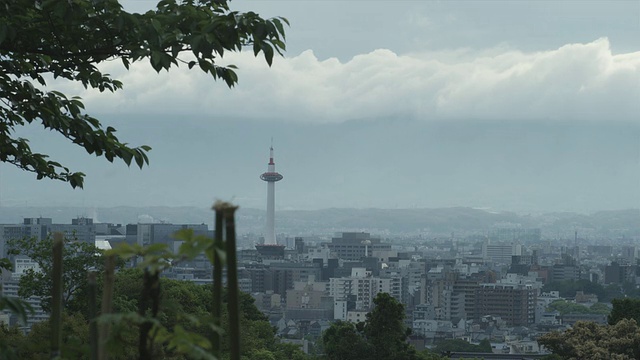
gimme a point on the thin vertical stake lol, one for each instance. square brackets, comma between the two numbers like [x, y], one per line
[232, 283]
[107, 300]
[217, 285]
[56, 296]
[93, 325]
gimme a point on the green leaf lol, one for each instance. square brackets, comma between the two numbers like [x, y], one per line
[156, 25]
[126, 156]
[125, 250]
[278, 24]
[3, 33]
[6, 264]
[268, 53]
[140, 159]
[155, 248]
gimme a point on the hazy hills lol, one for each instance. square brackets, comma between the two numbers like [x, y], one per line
[442, 221]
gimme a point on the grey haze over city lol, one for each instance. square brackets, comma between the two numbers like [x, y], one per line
[519, 106]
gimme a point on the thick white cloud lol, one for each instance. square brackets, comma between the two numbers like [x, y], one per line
[574, 82]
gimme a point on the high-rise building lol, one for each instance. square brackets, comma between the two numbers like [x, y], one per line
[514, 303]
[364, 287]
[619, 274]
[355, 246]
[81, 229]
[500, 252]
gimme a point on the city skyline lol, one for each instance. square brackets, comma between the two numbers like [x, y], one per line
[452, 104]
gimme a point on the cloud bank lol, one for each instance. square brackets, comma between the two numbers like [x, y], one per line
[583, 81]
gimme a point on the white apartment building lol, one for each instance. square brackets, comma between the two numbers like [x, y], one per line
[364, 288]
[9, 285]
[500, 253]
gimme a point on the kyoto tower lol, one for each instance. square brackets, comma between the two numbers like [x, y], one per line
[271, 176]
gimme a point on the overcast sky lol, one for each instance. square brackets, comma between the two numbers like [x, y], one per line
[508, 105]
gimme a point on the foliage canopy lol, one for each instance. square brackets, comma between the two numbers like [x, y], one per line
[78, 258]
[566, 307]
[382, 336]
[568, 288]
[588, 340]
[181, 302]
[627, 308]
[67, 40]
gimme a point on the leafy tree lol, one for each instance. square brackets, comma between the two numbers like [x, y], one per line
[588, 340]
[35, 344]
[382, 336]
[263, 354]
[566, 307]
[68, 40]
[12, 340]
[78, 258]
[342, 341]
[282, 352]
[626, 308]
[485, 346]
[385, 329]
[289, 352]
[430, 355]
[551, 357]
[568, 288]
[180, 302]
[600, 308]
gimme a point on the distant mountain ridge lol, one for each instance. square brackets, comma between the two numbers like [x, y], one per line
[436, 222]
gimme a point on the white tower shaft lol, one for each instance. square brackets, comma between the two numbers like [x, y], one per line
[270, 236]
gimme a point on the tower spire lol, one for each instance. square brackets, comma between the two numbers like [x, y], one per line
[271, 153]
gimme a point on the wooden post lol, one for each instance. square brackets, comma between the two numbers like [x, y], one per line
[93, 325]
[107, 300]
[56, 296]
[216, 311]
[232, 283]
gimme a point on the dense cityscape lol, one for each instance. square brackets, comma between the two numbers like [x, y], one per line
[507, 286]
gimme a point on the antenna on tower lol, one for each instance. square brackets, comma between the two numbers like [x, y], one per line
[575, 244]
